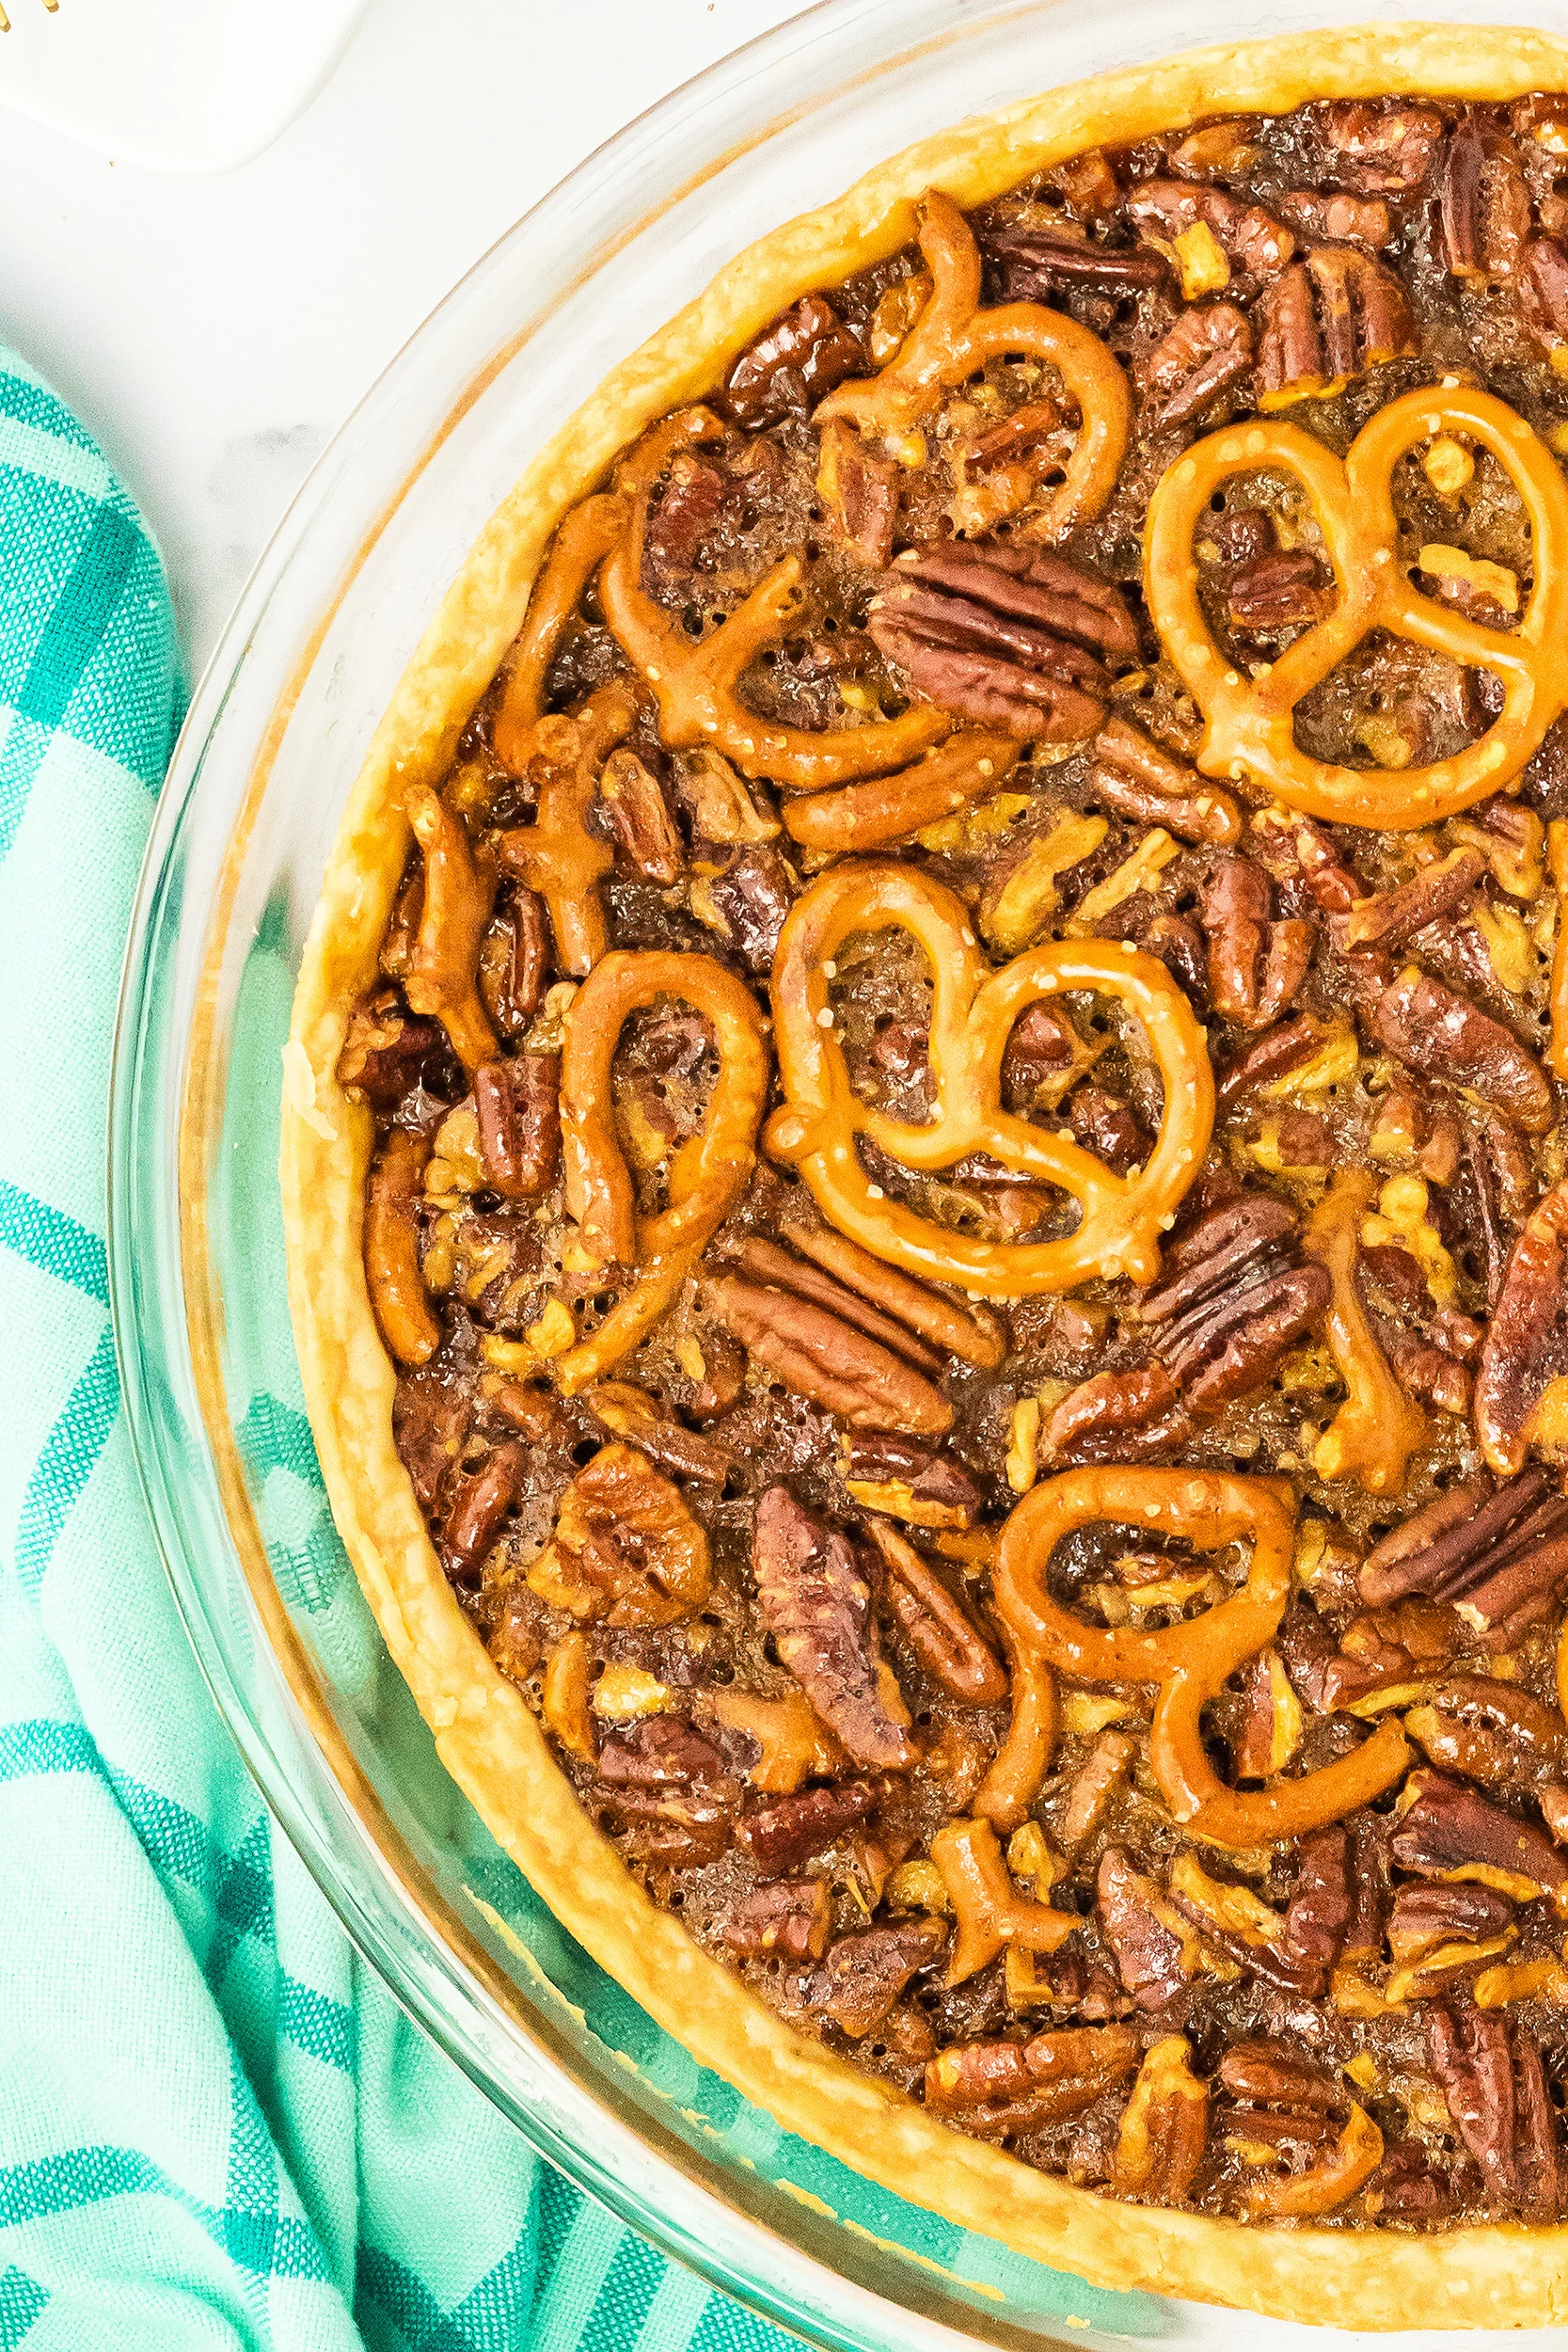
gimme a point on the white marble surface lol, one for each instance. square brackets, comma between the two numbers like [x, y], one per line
[213, 332]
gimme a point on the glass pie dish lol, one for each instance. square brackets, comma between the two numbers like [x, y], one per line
[275, 739]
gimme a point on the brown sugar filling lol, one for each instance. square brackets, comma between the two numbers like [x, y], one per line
[968, 1197]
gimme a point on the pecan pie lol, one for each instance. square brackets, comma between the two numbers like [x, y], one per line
[928, 1198]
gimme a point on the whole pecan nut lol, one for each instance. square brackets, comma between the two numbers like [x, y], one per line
[817, 1606]
[1008, 636]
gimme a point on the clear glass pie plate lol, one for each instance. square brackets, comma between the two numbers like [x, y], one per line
[274, 738]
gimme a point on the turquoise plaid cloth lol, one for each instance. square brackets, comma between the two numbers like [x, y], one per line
[217, 2128]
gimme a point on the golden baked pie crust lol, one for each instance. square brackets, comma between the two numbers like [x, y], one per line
[1492, 2275]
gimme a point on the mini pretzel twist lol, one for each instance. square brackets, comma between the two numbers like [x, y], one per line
[953, 338]
[1251, 720]
[1192, 1660]
[973, 1013]
[698, 686]
[707, 1173]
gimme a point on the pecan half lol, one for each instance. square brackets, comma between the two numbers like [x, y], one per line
[1450, 1831]
[1328, 213]
[625, 1548]
[817, 1355]
[1119, 1415]
[1326, 320]
[1001, 2088]
[781, 1269]
[1544, 290]
[908, 1482]
[789, 1831]
[1251, 238]
[478, 1509]
[795, 364]
[1484, 207]
[1035, 264]
[863, 1975]
[1428, 1028]
[1489, 1732]
[631, 1413]
[1232, 1301]
[1009, 636]
[936, 1625]
[1525, 1357]
[1321, 1906]
[860, 491]
[1285, 1047]
[817, 1606]
[514, 962]
[1207, 350]
[517, 1112]
[660, 1752]
[1256, 965]
[388, 1052]
[639, 818]
[1497, 1555]
[1425, 1918]
[1147, 1950]
[786, 1919]
[1286, 590]
[1381, 148]
[1495, 2085]
[1135, 778]
[1392, 916]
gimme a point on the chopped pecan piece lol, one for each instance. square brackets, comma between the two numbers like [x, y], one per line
[1256, 965]
[389, 1052]
[1524, 1359]
[1147, 1951]
[936, 1625]
[1113, 1412]
[1251, 238]
[1428, 1028]
[1287, 590]
[1382, 148]
[1485, 204]
[786, 1919]
[908, 1482]
[1496, 2087]
[1137, 779]
[820, 1356]
[724, 809]
[817, 1606]
[1095, 1787]
[1008, 636]
[863, 1975]
[660, 1752]
[789, 1831]
[1207, 350]
[518, 1111]
[687, 509]
[641, 820]
[1284, 1048]
[795, 364]
[514, 962]
[1234, 1921]
[1544, 290]
[625, 1548]
[1326, 320]
[1450, 1831]
[1502, 1558]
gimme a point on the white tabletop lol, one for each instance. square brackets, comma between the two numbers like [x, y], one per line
[214, 331]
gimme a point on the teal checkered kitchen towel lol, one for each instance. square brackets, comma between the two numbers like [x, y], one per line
[215, 2126]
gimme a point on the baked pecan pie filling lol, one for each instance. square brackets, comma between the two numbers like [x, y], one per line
[969, 1196]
